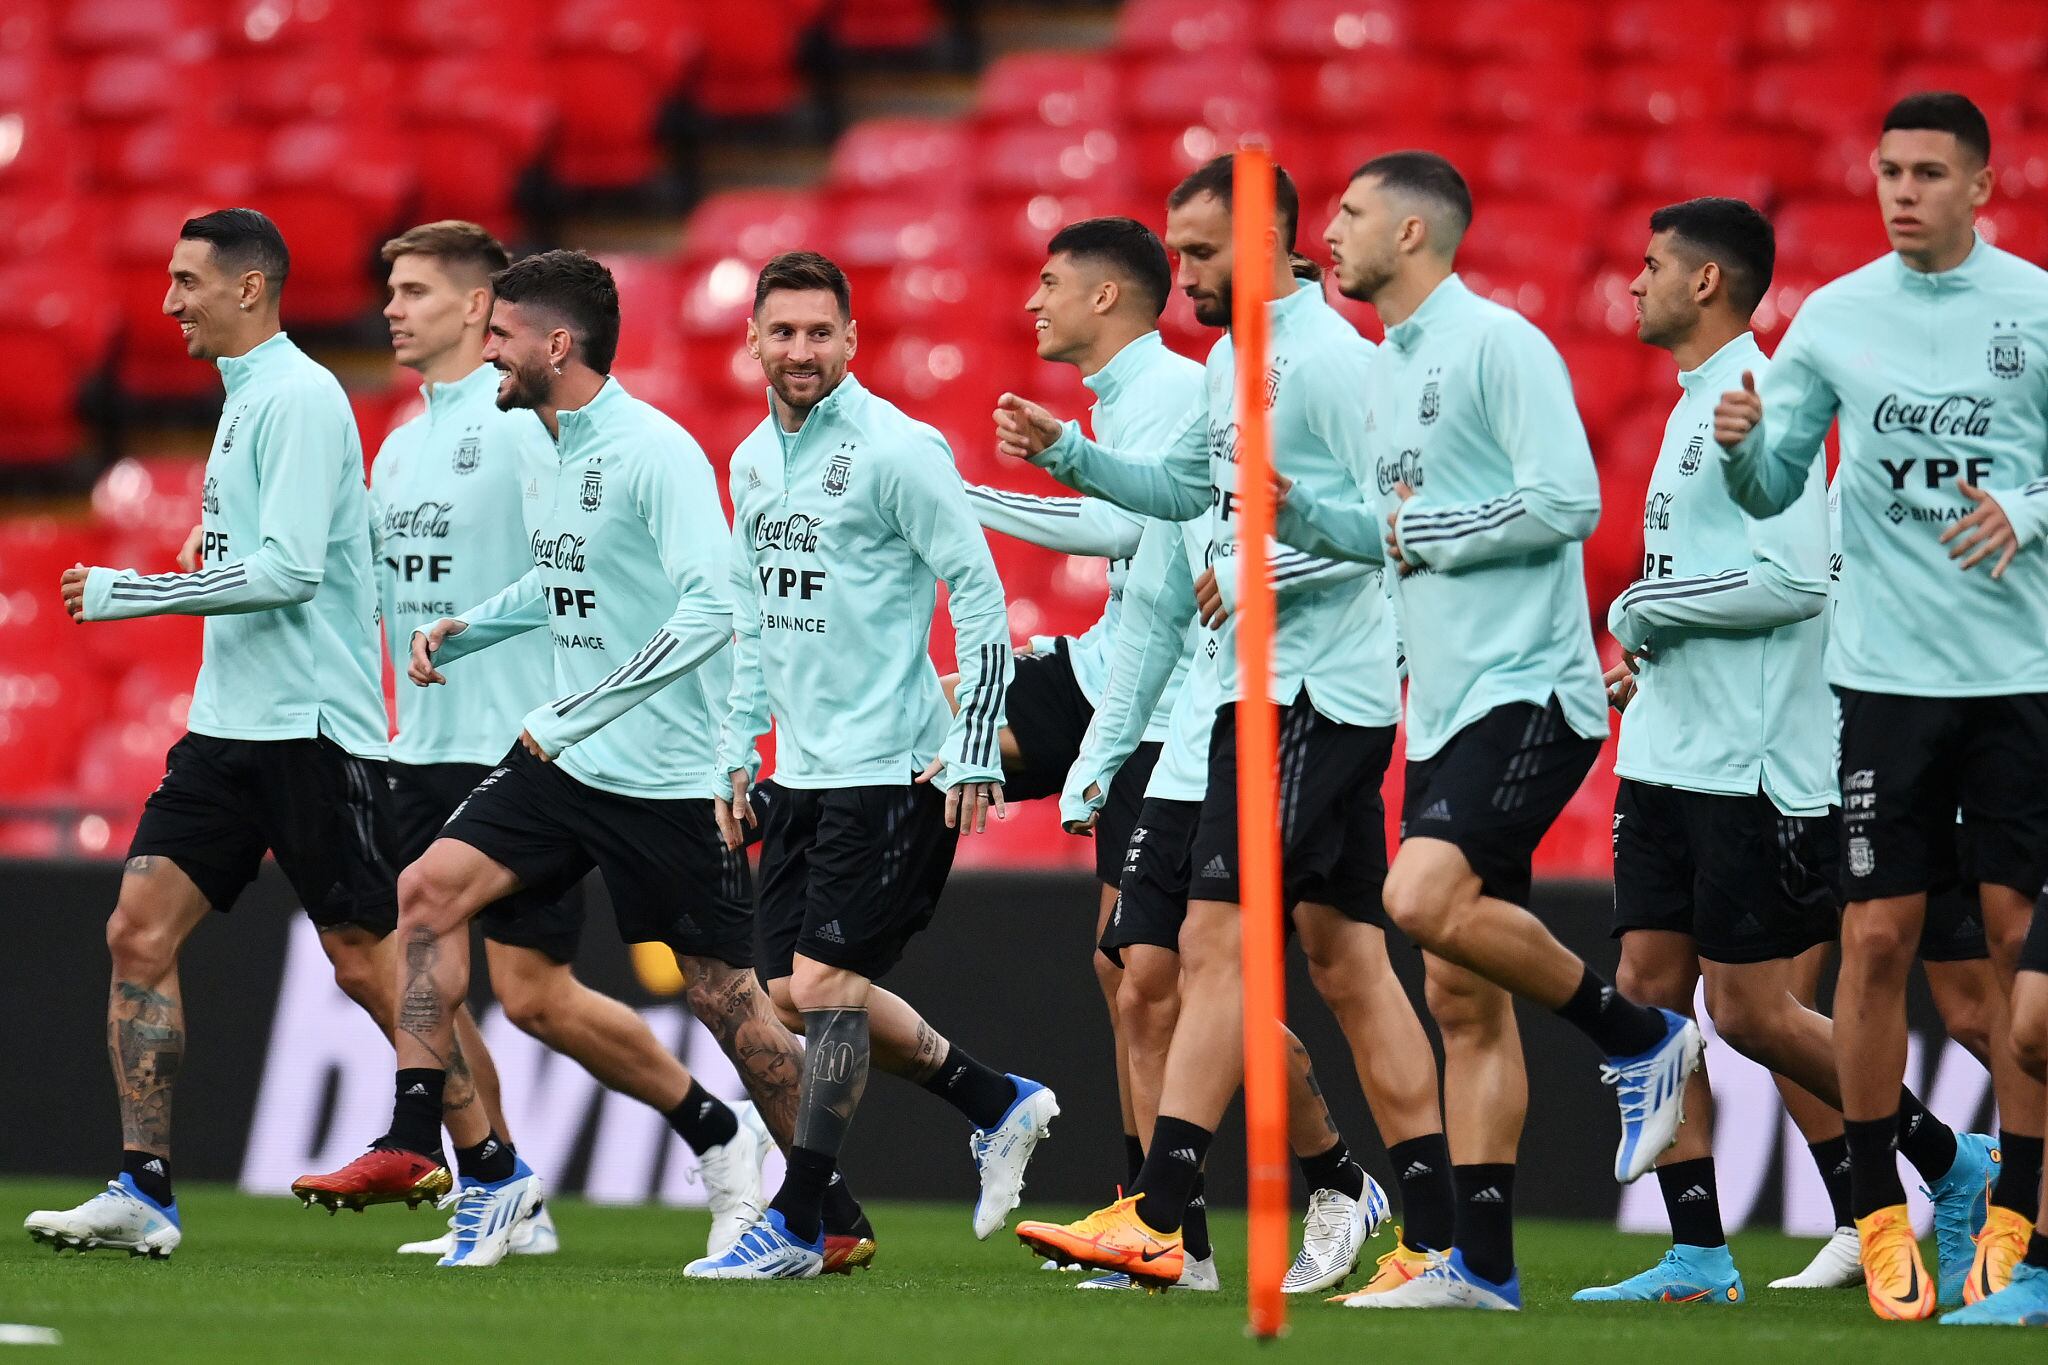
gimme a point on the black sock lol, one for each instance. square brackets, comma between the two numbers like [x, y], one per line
[2019, 1174]
[150, 1172]
[416, 1114]
[1194, 1227]
[1618, 1026]
[801, 1200]
[1134, 1157]
[703, 1120]
[1692, 1202]
[1924, 1140]
[843, 1215]
[1486, 1219]
[1422, 1168]
[1831, 1156]
[1172, 1167]
[489, 1161]
[1873, 1165]
[1333, 1170]
[2037, 1250]
[975, 1090]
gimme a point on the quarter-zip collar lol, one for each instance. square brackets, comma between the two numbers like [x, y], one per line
[237, 370]
[579, 425]
[1446, 299]
[1124, 366]
[442, 399]
[1718, 370]
[1963, 276]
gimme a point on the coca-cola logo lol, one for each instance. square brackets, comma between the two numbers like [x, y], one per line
[1403, 468]
[1657, 512]
[428, 521]
[797, 532]
[562, 552]
[1959, 414]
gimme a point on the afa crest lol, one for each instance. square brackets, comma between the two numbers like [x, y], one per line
[2007, 357]
[837, 469]
[1272, 387]
[1426, 412]
[593, 490]
[468, 453]
[1695, 451]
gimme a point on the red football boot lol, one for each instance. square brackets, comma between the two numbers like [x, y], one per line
[382, 1175]
[846, 1253]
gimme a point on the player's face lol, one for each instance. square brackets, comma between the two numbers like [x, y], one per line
[1930, 188]
[204, 299]
[1198, 234]
[803, 344]
[517, 343]
[1062, 309]
[1663, 291]
[1361, 238]
[426, 311]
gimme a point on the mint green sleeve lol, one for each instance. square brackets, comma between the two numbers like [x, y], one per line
[513, 610]
[746, 709]
[923, 500]
[1151, 636]
[1767, 471]
[1525, 395]
[1290, 571]
[1346, 528]
[305, 441]
[1171, 482]
[1072, 526]
[675, 492]
[2026, 507]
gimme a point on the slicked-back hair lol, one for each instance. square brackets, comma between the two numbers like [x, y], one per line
[804, 270]
[576, 288]
[452, 242]
[1218, 177]
[1129, 249]
[1424, 175]
[243, 240]
[1943, 111]
[1733, 235]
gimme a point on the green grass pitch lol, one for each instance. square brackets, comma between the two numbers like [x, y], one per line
[262, 1280]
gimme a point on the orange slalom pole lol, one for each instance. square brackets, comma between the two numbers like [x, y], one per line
[1258, 760]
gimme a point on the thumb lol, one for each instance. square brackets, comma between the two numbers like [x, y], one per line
[936, 766]
[1970, 490]
[1748, 381]
[1010, 402]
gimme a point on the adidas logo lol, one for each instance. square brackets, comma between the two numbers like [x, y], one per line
[1186, 1154]
[154, 1166]
[1490, 1195]
[1696, 1194]
[1417, 1169]
[753, 477]
[418, 1088]
[1217, 867]
[489, 1149]
[1438, 810]
[705, 1108]
[832, 933]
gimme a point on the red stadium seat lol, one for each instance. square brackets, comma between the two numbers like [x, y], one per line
[1746, 165]
[1358, 92]
[1822, 29]
[2021, 228]
[1537, 32]
[1703, 32]
[1148, 28]
[751, 225]
[1340, 29]
[1610, 375]
[2019, 161]
[1547, 296]
[1789, 289]
[879, 234]
[1029, 159]
[2002, 35]
[270, 27]
[131, 86]
[150, 502]
[928, 157]
[650, 308]
[1518, 95]
[1016, 228]
[480, 27]
[887, 25]
[1057, 89]
[749, 58]
[1828, 237]
[320, 84]
[2002, 93]
[1659, 96]
[1526, 234]
[1585, 170]
[1184, 111]
[1819, 97]
[159, 26]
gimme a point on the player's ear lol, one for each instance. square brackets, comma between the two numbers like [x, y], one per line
[249, 292]
[1980, 187]
[479, 309]
[753, 339]
[852, 337]
[1106, 295]
[1709, 284]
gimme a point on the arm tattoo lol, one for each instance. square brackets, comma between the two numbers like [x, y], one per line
[835, 1074]
[729, 1002]
[146, 1035]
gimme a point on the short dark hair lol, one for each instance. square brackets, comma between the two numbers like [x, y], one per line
[1425, 175]
[451, 241]
[243, 240]
[1129, 248]
[1219, 177]
[577, 288]
[1943, 111]
[804, 270]
[1733, 235]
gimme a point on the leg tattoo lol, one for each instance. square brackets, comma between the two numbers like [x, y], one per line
[146, 1035]
[419, 1005]
[729, 1002]
[835, 1074]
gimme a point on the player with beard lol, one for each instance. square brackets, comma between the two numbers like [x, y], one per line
[446, 492]
[1336, 686]
[287, 738]
[847, 516]
[624, 532]
[1932, 358]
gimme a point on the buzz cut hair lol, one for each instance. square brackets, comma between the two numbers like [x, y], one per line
[454, 243]
[575, 287]
[1730, 233]
[1218, 177]
[1943, 111]
[1430, 178]
[1127, 248]
[803, 271]
[243, 240]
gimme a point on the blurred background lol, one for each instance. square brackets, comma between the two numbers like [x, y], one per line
[932, 146]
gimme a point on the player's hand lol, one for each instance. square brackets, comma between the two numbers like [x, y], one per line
[1282, 486]
[1984, 532]
[426, 644]
[1738, 412]
[532, 746]
[730, 813]
[188, 553]
[1401, 566]
[1209, 599]
[1086, 828]
[969, 804]
[1621, 685]
[72, 586]
[1023, 428]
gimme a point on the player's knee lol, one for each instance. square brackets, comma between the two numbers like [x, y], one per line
[1108, 976]
[357, 975]
[816, 986]
[1876, 944]
[427, 898]
[142, 946]
[1148, 998]
[1210, 944]
[1417, 904]
[528, 1004]
[2030, 1029]
[1655, 983]
[1459, 1009]
[1744, 1022]
[785, 1006]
